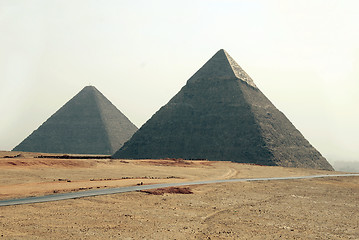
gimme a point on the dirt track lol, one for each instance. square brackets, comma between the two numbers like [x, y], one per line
[298, 209]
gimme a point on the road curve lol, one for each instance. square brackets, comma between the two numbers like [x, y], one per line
[89, 193]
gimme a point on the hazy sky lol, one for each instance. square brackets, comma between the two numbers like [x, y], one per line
[303, 55]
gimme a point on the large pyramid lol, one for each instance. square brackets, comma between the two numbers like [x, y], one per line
[220, 114]
[87, 124]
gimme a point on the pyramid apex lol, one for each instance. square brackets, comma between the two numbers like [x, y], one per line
[89, 87]
[220, 52]
[222, 66]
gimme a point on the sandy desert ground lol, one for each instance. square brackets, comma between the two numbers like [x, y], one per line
[295, 209]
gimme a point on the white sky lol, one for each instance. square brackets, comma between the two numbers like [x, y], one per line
[303, 55]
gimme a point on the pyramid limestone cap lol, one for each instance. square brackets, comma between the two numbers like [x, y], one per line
[222, 66]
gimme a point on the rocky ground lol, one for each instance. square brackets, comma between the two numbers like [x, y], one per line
[292, 209]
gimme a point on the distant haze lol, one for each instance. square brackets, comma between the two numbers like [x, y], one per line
[303, 55]
[346, 166]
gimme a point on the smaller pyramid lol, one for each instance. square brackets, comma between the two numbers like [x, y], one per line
[87, 124]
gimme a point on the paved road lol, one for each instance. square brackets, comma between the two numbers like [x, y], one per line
[72, 195]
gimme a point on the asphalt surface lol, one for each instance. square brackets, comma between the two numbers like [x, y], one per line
[89, 193]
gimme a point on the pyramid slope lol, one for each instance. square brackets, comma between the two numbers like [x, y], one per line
[287, 145]
[118, 127]
[220, 114]
[87, 124]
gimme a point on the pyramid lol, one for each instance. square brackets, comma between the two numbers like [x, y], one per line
[220, 114]
[87, 124]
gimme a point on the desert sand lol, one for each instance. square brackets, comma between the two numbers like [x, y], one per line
[294, 209]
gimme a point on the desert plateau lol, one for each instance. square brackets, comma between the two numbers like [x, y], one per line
[322, 208]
